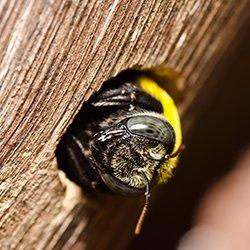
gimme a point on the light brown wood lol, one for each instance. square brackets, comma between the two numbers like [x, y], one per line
[53, 56]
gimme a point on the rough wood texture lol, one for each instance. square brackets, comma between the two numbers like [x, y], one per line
[54, 55]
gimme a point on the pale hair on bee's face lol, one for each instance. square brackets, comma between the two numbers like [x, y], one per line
[132, 161]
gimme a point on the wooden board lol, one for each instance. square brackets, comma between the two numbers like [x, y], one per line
[53, 56]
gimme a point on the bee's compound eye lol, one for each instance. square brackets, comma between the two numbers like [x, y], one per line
[151, 127]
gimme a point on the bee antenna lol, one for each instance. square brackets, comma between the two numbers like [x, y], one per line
[145, 208]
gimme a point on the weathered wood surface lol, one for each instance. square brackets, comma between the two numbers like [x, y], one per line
[54, 55]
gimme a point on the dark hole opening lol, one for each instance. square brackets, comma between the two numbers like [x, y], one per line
[73, 152]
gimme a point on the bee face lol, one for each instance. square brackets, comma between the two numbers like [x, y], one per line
[133, 151]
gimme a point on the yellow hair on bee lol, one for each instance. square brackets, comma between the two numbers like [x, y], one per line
[170, 112]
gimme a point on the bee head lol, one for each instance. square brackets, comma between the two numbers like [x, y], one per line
[130, 153]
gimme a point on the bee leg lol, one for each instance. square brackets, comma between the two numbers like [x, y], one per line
[121, 90]
[73, 160]
[108, 134]
[126, 95]
[120, 99]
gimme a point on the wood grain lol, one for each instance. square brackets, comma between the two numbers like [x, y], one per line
[54, 55]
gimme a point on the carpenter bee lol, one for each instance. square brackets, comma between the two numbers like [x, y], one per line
[126, 139]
